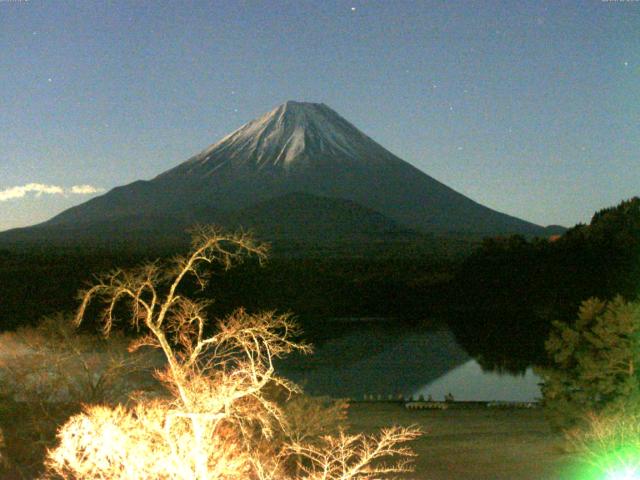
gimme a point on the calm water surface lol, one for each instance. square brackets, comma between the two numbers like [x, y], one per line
[358, 358]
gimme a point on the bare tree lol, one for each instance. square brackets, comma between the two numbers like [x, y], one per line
[218, 421]
[345, 456]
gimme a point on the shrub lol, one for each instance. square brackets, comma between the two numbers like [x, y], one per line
[54, 362]
[609, 443]
[46, 373]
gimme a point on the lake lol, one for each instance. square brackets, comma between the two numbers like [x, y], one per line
[382, 357]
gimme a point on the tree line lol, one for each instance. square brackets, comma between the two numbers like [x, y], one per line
[508, 292]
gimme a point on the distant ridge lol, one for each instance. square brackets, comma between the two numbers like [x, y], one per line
[297, 148]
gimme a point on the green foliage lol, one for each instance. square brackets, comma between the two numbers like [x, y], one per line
[595, 362]
[35, 284]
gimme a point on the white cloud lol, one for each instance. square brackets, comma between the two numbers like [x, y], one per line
[39, 189]
[85, 189]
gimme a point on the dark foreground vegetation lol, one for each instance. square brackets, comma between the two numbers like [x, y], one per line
[398, 279]
[499, 295]
[508, 292]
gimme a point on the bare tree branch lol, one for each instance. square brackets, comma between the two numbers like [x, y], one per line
[220, 420]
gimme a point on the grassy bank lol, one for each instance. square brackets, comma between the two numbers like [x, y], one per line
[474, 443]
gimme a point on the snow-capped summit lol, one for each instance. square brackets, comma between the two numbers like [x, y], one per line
[294, 135]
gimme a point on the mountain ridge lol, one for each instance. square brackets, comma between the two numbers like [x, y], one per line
[296, 147]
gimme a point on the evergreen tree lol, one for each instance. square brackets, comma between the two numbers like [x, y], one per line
[595, 362]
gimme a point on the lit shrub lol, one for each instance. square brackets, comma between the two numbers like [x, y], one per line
[609, 443]
[53, 362]
[46, 373]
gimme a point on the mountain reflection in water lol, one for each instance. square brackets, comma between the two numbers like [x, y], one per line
[469, 382]
[358, 358]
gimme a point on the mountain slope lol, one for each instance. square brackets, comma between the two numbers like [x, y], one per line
[310, 148]
[294, 216]
[303, 216]
[297, 147]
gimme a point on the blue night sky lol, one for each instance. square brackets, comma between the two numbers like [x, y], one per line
[528, 107]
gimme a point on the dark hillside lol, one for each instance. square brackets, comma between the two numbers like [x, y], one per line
[507, 292]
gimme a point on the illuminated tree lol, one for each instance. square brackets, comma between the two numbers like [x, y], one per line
[219, 419]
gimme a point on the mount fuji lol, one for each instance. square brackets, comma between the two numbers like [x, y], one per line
[300, 168]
